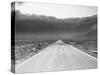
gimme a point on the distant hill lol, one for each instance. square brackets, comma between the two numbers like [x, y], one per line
[76, 28]
[91, 35]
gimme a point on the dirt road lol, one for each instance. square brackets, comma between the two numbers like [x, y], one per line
[57, 57]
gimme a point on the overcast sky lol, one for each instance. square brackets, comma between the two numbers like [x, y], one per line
[56, 10]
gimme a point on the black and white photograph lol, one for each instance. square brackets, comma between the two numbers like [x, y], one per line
[48, 37]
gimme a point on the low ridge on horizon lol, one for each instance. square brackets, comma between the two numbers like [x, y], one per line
[43, 26]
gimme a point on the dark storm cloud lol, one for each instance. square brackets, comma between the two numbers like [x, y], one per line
[51, 26]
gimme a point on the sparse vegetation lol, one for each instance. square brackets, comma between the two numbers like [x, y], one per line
[26, 49]
[88, 46]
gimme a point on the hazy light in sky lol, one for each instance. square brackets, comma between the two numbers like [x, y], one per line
[59, 11]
